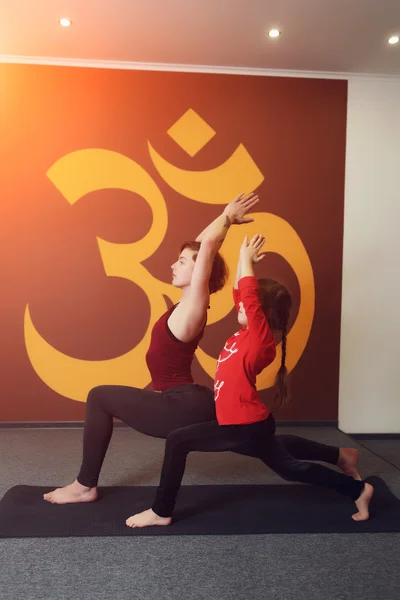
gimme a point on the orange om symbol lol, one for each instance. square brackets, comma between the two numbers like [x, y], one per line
[84, 171]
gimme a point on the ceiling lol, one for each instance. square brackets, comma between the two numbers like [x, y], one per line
[334, 36]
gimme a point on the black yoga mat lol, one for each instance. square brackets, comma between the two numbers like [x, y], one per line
[201, 510]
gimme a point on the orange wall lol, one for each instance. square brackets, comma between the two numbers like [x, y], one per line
[294, 133]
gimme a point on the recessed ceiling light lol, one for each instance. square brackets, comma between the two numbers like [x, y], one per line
[274, 33]
[65, 22]
[394, 39]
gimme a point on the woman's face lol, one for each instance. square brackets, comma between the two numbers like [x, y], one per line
[182, 269]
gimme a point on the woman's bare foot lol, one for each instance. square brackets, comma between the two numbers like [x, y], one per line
[71, 494]
[147, 518]
[363, 503]
[348, 462]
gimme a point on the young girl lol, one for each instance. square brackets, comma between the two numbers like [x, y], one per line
[264, 309]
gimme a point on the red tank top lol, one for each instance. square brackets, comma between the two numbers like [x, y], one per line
[168, 359]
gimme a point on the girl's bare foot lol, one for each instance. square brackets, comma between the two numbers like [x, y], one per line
[71, 494]
[363, 503]
[348, 462]
[147, 518]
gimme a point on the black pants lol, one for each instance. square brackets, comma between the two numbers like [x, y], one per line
[157, 415]
[211, 437]
[152, 413]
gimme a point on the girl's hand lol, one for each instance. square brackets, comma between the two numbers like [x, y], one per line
[249, 250]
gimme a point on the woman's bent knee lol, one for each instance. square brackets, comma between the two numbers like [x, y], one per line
[95, 395]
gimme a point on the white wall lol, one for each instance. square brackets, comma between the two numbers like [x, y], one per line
[369, 392]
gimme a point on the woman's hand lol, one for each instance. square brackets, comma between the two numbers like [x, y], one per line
[237, 208]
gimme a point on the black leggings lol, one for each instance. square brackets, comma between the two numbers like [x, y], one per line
[157, 414]
[211, 437]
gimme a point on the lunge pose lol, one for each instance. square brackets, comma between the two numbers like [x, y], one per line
[176, 400]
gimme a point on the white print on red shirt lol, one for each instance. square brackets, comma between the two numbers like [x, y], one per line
[217, 386]
[231, 349]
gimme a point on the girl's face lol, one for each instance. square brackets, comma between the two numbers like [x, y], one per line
[182, 269]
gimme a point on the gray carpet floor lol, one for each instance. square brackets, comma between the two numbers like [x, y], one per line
[276, 567]
[386, 448]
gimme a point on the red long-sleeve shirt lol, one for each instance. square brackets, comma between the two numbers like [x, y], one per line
[243, 357]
